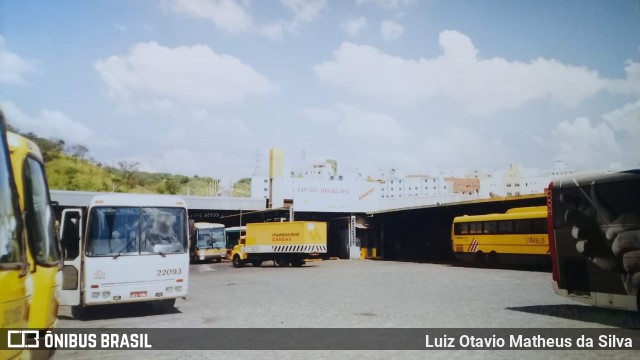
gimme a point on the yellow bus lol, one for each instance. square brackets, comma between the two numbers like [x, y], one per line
[208, 243]
[43, 252]
[517, 237]
[15, 285]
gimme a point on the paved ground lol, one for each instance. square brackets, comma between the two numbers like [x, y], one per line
[358, 294]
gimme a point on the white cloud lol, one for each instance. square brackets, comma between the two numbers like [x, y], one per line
[52, 124]
[189, 74]
[13, 67]
[579, 143]
[626, 119]
[225, 14]
[365, 129]
[454, 147]
[305, 10]
[390, 30]
[629, 85]
[322, 116]
[234, 16]
[199, 144]
[373, 126]
[274, 31]
[354, 27]
[481, 85]
[120, 27]
[387, 4]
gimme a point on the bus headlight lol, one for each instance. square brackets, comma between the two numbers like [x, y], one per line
[178, 288]
[95, 294]
[106, 294]
[169, 289]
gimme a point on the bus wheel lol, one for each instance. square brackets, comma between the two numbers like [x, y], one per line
[494, 259]
[237, 263]
[218, 260]
[481, 260]
[297, 263]
[256, 262]
[280, 262]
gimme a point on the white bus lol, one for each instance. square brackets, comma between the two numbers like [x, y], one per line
[125, 248]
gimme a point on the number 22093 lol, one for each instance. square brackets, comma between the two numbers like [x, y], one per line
[165, 272]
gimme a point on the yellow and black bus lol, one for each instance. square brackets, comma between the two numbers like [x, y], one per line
[516, 237]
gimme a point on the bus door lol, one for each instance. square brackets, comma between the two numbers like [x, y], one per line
[70, 240]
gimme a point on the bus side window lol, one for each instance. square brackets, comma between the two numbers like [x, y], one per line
[490, 227]
[475, 228]
[505, 227]
[539, 226]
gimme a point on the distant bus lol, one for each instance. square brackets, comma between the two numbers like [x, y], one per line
[518, 236]
[208, 242]
[125, 248]
[16, 286]
[594, 233]
[43, 251]
[233, 234]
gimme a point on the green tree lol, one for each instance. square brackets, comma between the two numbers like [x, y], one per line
[128, 171]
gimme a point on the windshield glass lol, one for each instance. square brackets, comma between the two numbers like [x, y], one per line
[10, 245]
[40, 219]
[134, 231]
[211, 238]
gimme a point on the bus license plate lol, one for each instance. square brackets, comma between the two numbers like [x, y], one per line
[138, 294]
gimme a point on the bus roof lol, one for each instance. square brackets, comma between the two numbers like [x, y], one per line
[137, 200]
[236, 228]
[205, 225]
[533, 212]
[23, 145]
[587, 179]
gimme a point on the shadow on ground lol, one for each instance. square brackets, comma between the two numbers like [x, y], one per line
[586, 313]
[126, 310]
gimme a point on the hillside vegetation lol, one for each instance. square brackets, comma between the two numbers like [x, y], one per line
[69, 168]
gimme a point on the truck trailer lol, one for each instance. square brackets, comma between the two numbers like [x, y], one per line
[286, 243]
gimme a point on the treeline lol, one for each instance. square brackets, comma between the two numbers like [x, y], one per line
[69, 167]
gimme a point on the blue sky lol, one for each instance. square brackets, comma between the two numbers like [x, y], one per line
[207, 87]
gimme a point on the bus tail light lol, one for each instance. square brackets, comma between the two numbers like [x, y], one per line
[95, 286]
[180, 280]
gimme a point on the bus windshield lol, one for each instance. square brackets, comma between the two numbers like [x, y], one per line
[10, 246]
[136, 231]
[40, 218]
[213, 238]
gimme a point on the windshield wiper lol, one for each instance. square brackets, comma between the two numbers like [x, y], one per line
[117, 256]
[161, 254]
